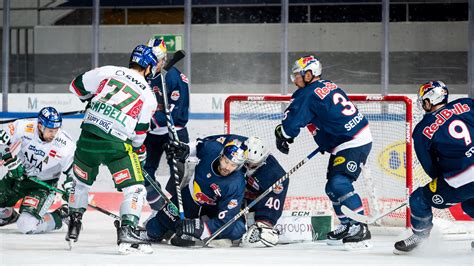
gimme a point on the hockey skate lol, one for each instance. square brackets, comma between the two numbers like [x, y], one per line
[74, 228]
[358, 237]
[11, 219]
[63, 213]
[129, 240]
[334, 238]
[411, 243]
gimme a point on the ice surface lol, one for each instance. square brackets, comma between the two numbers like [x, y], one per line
[97, 245]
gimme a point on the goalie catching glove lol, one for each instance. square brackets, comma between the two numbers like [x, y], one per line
[192, 228]
[260, 235]
[282, 143]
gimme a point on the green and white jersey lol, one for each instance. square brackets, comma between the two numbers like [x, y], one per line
[45, 160]
[121, 103]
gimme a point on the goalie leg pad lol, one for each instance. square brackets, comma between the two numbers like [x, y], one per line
[260, 235]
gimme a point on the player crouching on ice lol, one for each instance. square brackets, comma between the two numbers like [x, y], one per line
[216, 190]
[443, 145]
[262, 170]
[338, 128]
[42, 151]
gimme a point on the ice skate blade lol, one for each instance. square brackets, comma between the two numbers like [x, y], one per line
[127, 248]
[333, 242]
[361, 245]
[70, 244]
[401, 252]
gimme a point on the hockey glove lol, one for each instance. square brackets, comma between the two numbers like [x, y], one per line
[141, 152]
[192, 227]
[15, 168]
[260, 235]
[282, 143]
[4, 137]
[177, 150]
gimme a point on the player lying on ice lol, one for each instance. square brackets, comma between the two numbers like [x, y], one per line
[216, 190]
[35, 149]
[338, 128]
[443, 145]
[261, 170]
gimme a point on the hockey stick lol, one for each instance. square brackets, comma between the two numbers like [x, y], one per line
[370, 219]
[63, 114]
[104, 211]
[160, 191]
[170, 124]
[265, 193]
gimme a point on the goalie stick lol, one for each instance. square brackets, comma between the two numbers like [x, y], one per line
[370, 219]
[255, 201]
[29, 117]
[170, 124]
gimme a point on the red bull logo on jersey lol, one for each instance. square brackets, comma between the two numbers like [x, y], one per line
[200, 197]
[324, 91]
[443, 116]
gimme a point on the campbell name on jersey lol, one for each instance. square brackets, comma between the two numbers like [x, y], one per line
[121, 103]
[41, 159]
[443, 142]
[220, 195]
[333, 120]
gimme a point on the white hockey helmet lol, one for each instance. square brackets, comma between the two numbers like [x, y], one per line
[257, 150]
[159, 48]
[435, 91]
[306, 63]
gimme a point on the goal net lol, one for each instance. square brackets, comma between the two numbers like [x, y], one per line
[392, 170]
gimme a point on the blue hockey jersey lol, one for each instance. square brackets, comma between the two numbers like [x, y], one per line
[443, 142]
[220, 196]
[178, 99]
[325, 109]
[270, 207]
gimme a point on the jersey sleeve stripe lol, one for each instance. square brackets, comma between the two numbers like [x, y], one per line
[142, 127]
[78, 86]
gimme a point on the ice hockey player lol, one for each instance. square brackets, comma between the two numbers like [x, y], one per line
[216, 190]
[121, 104]
[339, 129]
[35, 149]
[443, 145]
[178, 100]
[262, 170]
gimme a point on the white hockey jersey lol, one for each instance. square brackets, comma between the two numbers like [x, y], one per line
[41, 159]
[122, 103]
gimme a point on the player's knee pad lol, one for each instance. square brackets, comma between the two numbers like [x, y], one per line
[27, 223]
[468, 207]
[260, 235]
[133, 198]
[338, 187]
[79, 197]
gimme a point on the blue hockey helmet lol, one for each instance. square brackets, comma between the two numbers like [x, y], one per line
[435, 91]
[144, 57]
[235, 151]
[49, 117]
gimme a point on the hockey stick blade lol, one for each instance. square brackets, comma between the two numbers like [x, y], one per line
[63, 114]
[176, 58]
[369, 219]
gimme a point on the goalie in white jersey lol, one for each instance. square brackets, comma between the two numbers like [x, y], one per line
[34, 149]
[121, 104]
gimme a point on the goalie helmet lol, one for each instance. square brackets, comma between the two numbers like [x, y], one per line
[49, 117]
[435, 91]
[306, 63]
[144, 57]
[257, 151]
[235, 151]
[159, 47]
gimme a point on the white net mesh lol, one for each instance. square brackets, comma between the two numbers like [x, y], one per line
[382, 186]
